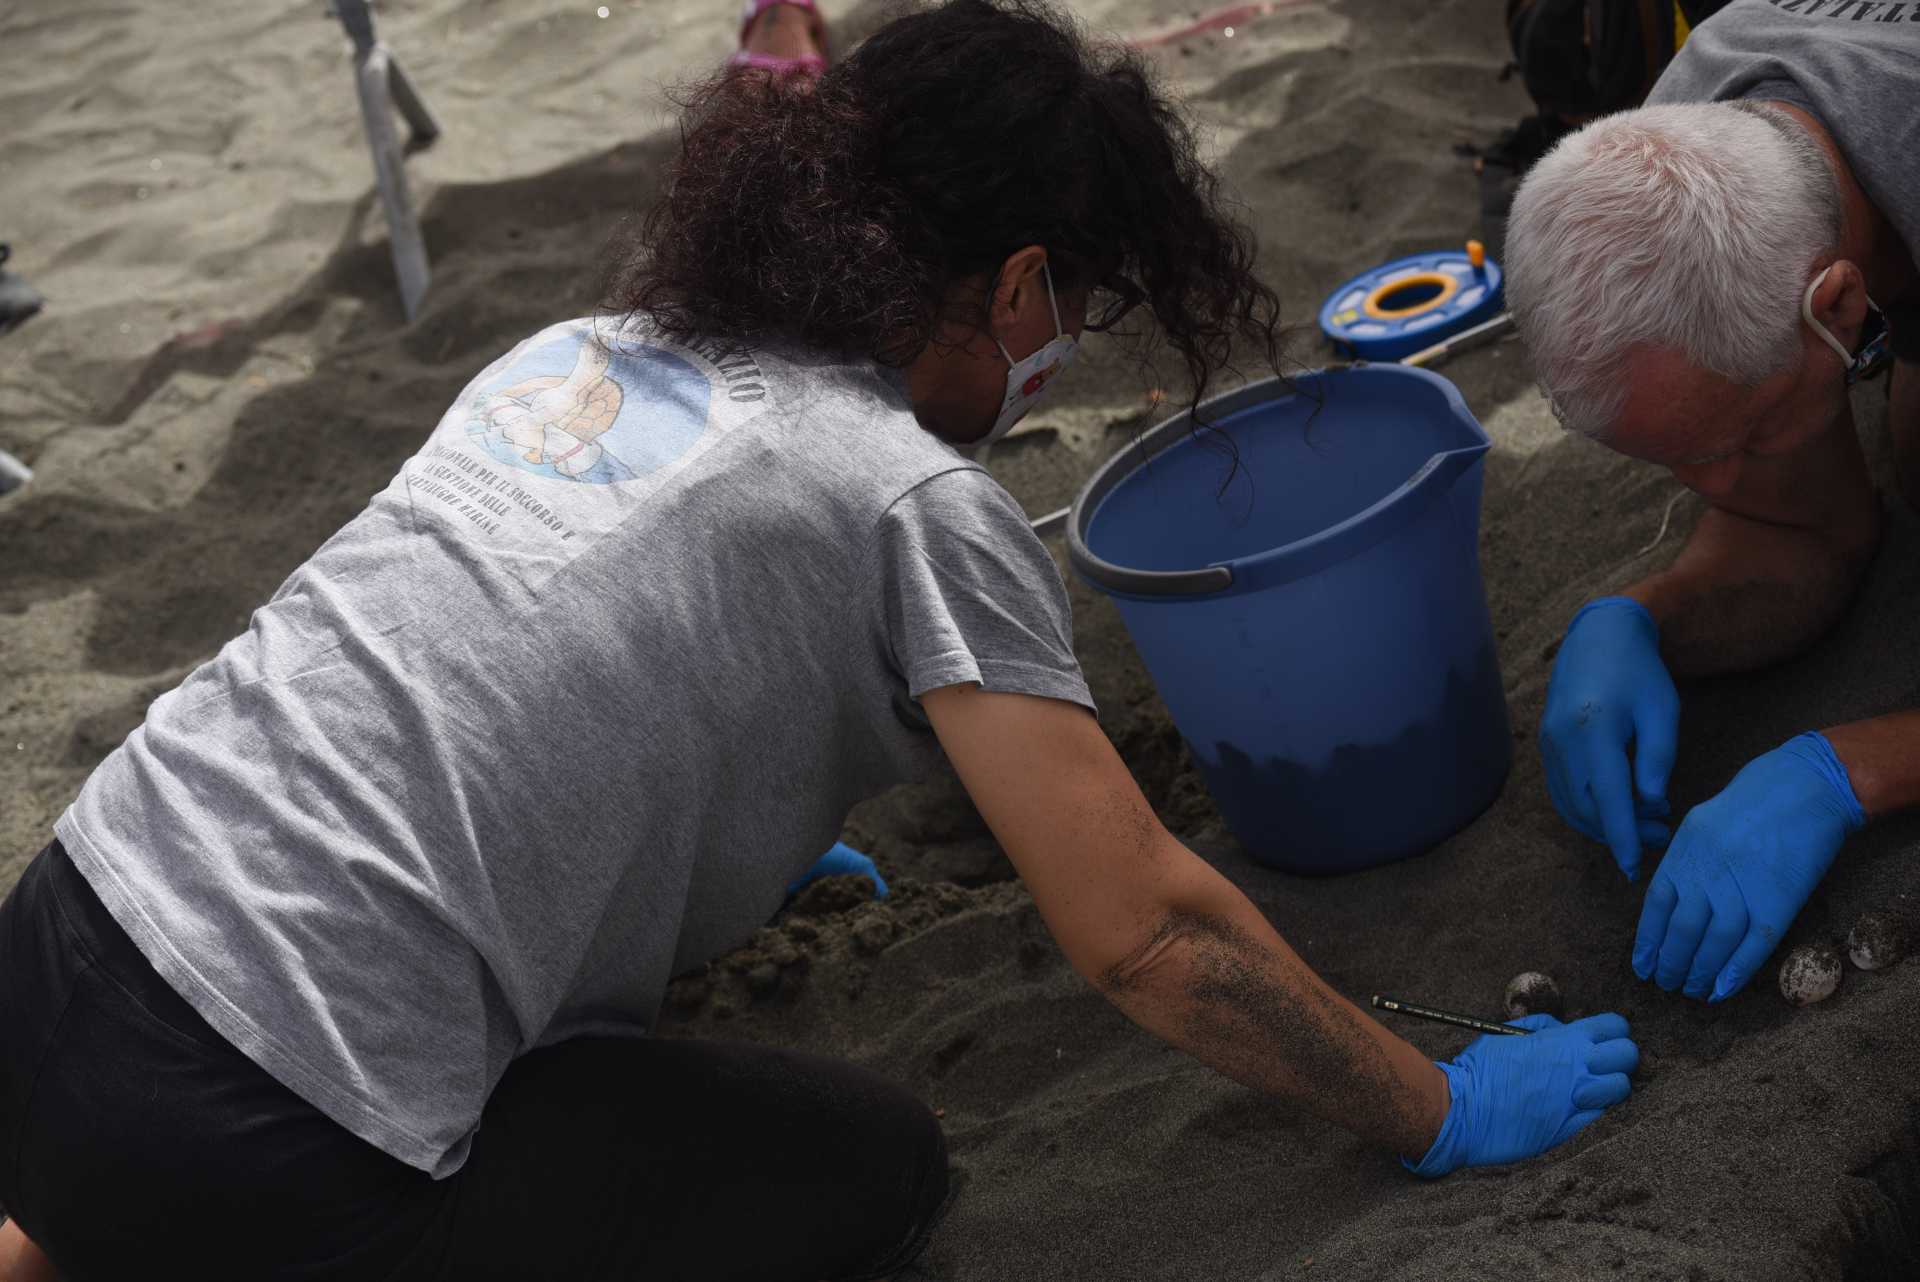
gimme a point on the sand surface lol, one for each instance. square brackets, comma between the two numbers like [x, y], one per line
[222, 378]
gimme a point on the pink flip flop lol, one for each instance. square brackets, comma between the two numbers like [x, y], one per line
[811, 64]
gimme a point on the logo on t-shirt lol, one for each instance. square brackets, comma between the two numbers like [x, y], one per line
[1857, 10]
[558, 411]
[559, 441]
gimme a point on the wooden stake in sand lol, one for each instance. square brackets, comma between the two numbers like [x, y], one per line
[1445, 1017]
[13, 473]
[384, 87]
[1484, 332]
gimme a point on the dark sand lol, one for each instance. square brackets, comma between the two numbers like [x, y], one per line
[185, 470]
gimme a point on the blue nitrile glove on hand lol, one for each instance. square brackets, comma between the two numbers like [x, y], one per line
[843, 860]
[1517, 1097]
[1610, 692]
[1741, 866]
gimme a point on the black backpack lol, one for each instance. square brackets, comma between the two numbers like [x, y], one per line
[1588, 57]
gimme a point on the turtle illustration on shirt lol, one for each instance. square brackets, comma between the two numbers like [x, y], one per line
[557, 422]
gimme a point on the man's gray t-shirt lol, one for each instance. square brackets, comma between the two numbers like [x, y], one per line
[1854, 65]
[559, 716]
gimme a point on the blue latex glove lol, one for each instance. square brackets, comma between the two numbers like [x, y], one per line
[843, 860]
[1741, 866]
[1610, 693]
[1517, 1097]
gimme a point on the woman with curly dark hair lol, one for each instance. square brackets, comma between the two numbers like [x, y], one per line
[343, 964]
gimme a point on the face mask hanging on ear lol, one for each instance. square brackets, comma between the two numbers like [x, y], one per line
[1027, 380]
[1855, 364]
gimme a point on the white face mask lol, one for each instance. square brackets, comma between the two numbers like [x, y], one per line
[1027, 380]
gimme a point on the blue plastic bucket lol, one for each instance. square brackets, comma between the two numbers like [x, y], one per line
[1318, 629]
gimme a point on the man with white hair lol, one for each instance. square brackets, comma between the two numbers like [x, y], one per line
[1699, 281]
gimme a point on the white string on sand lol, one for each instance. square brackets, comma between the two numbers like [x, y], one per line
[1666, 518]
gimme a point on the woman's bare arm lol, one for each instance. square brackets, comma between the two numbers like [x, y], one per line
[1171, 942]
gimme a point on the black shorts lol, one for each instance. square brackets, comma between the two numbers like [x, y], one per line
[136, 1142]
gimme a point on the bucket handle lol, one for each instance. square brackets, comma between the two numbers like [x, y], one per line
[1384, 518]
[1308, 556]
[1158, 583]
[1118, 578]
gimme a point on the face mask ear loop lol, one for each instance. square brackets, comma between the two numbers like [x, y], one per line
[1059, 330]
[1806, 314]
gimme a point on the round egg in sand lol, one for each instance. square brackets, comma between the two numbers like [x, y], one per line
[1878, 940]
[1533, 993]
[1810, 974]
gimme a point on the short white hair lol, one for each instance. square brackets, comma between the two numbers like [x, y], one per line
[1690, 227]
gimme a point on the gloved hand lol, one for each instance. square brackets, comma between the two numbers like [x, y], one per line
[1742, 865]
[1610, 692]
[1517, 1097]
[841, 861]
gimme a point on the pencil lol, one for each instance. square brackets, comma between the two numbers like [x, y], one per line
[1445, 1017]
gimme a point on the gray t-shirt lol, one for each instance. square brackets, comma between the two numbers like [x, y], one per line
[1854, 65]
[559, 716]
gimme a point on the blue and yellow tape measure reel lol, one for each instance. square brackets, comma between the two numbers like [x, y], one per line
[1412, 303]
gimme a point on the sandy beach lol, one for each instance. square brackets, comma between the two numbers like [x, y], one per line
[222, 377]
